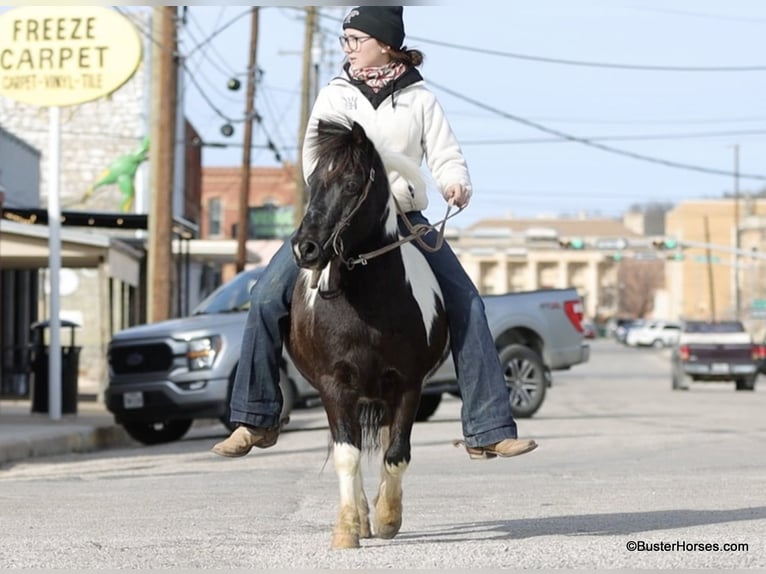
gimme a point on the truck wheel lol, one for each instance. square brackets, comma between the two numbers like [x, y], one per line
[288, 399]
[159, 432]
[525, 376]
[427, 407]
[746, 384]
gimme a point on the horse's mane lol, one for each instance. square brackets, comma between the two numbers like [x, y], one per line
[333, 145]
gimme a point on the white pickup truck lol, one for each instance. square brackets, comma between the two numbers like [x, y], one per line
[163, 376]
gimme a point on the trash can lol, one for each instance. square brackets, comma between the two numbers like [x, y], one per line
[70, 364]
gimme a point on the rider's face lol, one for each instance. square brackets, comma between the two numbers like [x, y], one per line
[364, 51]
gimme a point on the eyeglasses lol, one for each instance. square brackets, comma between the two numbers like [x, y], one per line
[352, 42]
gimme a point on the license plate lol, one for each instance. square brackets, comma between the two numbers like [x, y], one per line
[134, 400]
[719, 368]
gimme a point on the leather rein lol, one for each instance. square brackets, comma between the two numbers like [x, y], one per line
[416, 231]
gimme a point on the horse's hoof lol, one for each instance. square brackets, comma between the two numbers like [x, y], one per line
[341, 540]
[364, 529]
[387, 531]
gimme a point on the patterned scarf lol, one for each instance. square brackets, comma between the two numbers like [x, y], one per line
[377, 77]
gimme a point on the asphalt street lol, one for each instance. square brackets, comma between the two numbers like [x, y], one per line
[629, 474]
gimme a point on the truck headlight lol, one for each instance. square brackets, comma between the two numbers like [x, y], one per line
[202, 352]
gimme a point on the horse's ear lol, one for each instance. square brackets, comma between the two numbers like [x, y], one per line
[358, 134]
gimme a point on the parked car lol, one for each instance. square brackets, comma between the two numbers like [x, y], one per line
[164, 375]
[589, 329]
[654, 334]
[621, 332]
[716, 351]
[614, 324]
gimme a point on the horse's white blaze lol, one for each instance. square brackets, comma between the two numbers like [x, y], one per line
[346, 458]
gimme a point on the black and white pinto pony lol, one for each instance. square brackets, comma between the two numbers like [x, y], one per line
[367, 322]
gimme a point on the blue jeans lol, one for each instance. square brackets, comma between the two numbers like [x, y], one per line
[486, 413]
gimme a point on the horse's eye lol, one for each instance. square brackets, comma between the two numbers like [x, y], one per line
[350, 187]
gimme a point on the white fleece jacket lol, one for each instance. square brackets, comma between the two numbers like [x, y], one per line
[411, 122]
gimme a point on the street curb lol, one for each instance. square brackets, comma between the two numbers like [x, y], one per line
[55, 443]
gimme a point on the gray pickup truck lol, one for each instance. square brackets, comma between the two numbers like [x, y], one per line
[163, 376]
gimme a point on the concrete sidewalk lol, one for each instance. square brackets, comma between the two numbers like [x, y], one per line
[24, 434]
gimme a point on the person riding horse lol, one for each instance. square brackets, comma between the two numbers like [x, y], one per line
[382, 90]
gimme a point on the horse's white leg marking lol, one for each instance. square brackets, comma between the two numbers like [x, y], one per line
[346, 532]
[388, 502]
[388, 505]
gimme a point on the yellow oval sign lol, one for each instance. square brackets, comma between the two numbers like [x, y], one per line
[65, 55]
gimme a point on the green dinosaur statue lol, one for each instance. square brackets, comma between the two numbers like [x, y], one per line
[122, 171]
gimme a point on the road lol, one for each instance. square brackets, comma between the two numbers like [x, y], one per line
[622, 458]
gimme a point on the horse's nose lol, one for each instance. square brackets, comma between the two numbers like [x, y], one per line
[308, 251]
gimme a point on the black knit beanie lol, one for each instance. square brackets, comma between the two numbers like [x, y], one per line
[383, 23]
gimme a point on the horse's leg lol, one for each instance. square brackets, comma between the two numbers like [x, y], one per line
[346, 532]
[396, 458]
[362, 507]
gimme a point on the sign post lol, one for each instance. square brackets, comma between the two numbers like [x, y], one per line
[55, 56]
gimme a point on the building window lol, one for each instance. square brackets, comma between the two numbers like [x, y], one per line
[214, 216]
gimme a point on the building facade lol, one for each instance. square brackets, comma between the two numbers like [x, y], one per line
[720, 269]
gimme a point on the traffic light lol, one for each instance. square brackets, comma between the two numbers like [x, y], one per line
[665, 243]
[574, 243]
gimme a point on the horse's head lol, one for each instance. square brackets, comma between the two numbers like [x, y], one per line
[348, 196]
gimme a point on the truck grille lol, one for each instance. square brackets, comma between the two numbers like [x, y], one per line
[140, 359]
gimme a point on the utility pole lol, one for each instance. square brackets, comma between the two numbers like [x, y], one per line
[161, 161]
[737, 239]
[244, 186]
[306, 94]
[709, 258]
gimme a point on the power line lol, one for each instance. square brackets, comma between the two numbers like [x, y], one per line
[616, 138]
[569, 62]
[223, 67]
[581, 63]
[591, 143]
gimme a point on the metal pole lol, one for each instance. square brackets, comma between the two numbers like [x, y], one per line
[54, 265]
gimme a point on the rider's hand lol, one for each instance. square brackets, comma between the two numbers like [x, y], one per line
[458, 195]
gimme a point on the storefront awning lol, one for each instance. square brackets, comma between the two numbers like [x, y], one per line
[24, 246]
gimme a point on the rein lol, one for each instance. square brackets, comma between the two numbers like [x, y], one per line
[416, 234]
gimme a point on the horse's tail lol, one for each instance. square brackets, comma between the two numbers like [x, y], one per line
[372, 416]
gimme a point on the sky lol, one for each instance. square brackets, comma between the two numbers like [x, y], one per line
[646, 83]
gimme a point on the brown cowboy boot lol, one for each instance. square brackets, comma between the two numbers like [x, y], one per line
[505, 448]
[245, 438]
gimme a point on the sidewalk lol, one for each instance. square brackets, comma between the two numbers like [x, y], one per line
[24, 434]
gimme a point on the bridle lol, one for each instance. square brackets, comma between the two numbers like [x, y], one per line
[335, 238]
[416, 231]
